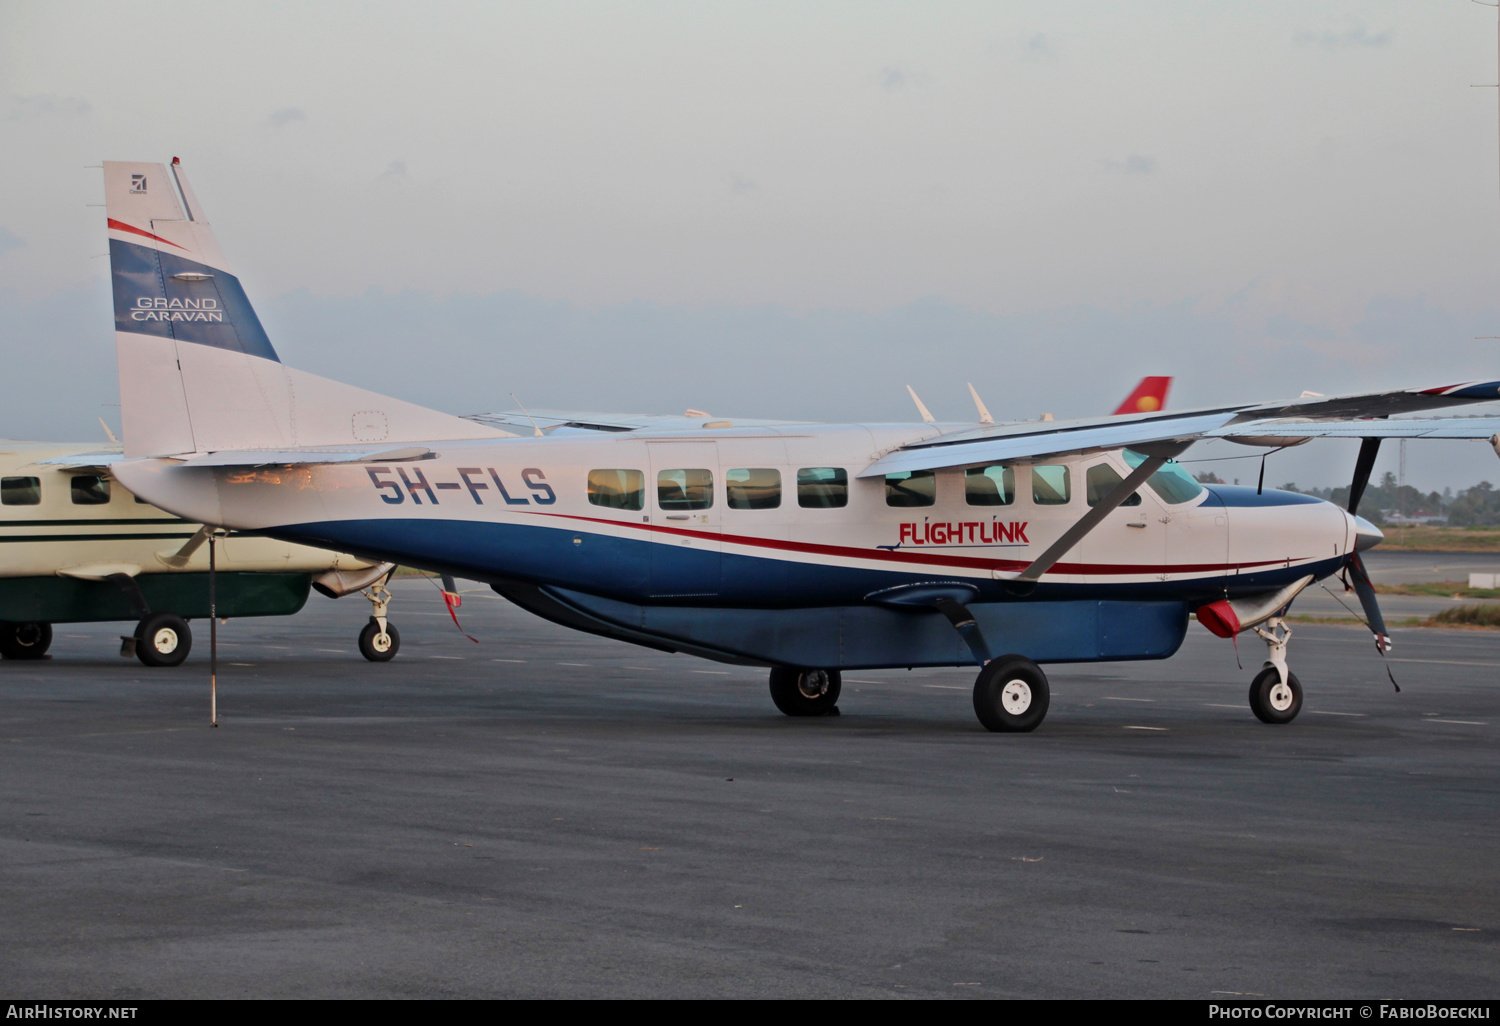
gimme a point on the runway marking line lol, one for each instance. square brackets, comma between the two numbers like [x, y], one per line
[1330, 712]
[572, 664]
[1221, 705]
[1145, 728]
[852, 680]
[507, 660]
[947, 687]
[1467, 723]
[1112, 698]
[716, 673]
[460, 658]
[1441, 662]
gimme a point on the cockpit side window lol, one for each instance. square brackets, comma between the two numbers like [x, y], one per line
[1101, 479]
[822, 488]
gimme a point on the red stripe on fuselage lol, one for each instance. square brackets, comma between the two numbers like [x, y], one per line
[925, 559]
[121, 226]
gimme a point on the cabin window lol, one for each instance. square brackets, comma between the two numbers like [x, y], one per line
[1171, 482]
[20, 491]
[822, 488]
[911, 488]
[990, 486]
[753, 488]
[1050, 486]
[90, 490]
[617, 489]
[685, 489]
[1101, 480]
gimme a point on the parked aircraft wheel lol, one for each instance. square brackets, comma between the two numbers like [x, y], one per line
[805, 692]
[378, 647]
[162, 639]
[1272, 701]
[25, 640]
[1011, 695]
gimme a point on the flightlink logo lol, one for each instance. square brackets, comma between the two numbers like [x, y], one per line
[149, 309]
[966, 533]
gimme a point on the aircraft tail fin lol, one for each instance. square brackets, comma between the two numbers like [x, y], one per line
[197, 370]
[1149, 396]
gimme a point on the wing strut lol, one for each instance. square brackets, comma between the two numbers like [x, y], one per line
[1122, 491]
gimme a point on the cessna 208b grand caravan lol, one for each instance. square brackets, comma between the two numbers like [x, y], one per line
[804, 548]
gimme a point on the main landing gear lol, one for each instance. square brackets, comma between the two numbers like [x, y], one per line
[1011, 695]
[805, 692]
[24, 640]
[1276, 693]
[379, 641]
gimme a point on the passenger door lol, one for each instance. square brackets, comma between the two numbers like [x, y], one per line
[685, 496]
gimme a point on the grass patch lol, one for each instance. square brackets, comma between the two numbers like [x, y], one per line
[1486, 615]
[1425, 538]
[1439, 589]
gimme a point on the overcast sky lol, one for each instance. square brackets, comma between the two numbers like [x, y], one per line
[782, 210]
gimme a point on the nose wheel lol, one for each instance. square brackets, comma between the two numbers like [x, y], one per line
[1276, 693]
[1274, 700]
[379, 641]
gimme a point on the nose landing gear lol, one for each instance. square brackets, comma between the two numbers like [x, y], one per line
[1275, 694]
[379, 641]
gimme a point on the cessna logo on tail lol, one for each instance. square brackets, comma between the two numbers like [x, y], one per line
[149, 308]
[137, 183]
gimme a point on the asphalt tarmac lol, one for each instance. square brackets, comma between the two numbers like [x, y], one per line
[545, 814]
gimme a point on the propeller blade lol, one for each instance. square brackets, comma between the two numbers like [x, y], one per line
[1368, 449]
[1366, 592]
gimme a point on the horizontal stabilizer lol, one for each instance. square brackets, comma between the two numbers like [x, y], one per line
[306, 457]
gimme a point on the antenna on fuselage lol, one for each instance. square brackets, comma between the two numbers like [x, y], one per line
[534, 429]
[984, 414]
[927, 417]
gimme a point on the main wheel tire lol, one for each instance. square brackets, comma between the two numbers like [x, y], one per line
[162, 639]
[1011, 695]
[805, 692]
[25, 640]
[1273, 702]
[377, 648]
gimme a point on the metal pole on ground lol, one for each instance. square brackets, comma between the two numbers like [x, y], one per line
[213, 634]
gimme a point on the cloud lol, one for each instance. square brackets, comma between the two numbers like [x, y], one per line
[740, 186]
[1135, 164]
[47, 105]
[395, 171]
[1356, 35]
[891, 78]
[285, 116]
[9, 241]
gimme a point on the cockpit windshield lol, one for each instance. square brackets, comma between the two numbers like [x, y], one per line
[1172, 483]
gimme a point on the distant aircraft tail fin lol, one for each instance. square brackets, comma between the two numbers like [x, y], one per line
[1149, 396]
[197, 370]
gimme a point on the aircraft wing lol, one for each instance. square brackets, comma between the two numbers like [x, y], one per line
[99, 460]
[1403, 427]
[1349, 416]
[565, 422]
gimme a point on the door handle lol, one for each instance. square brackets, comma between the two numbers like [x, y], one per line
[678, 516]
